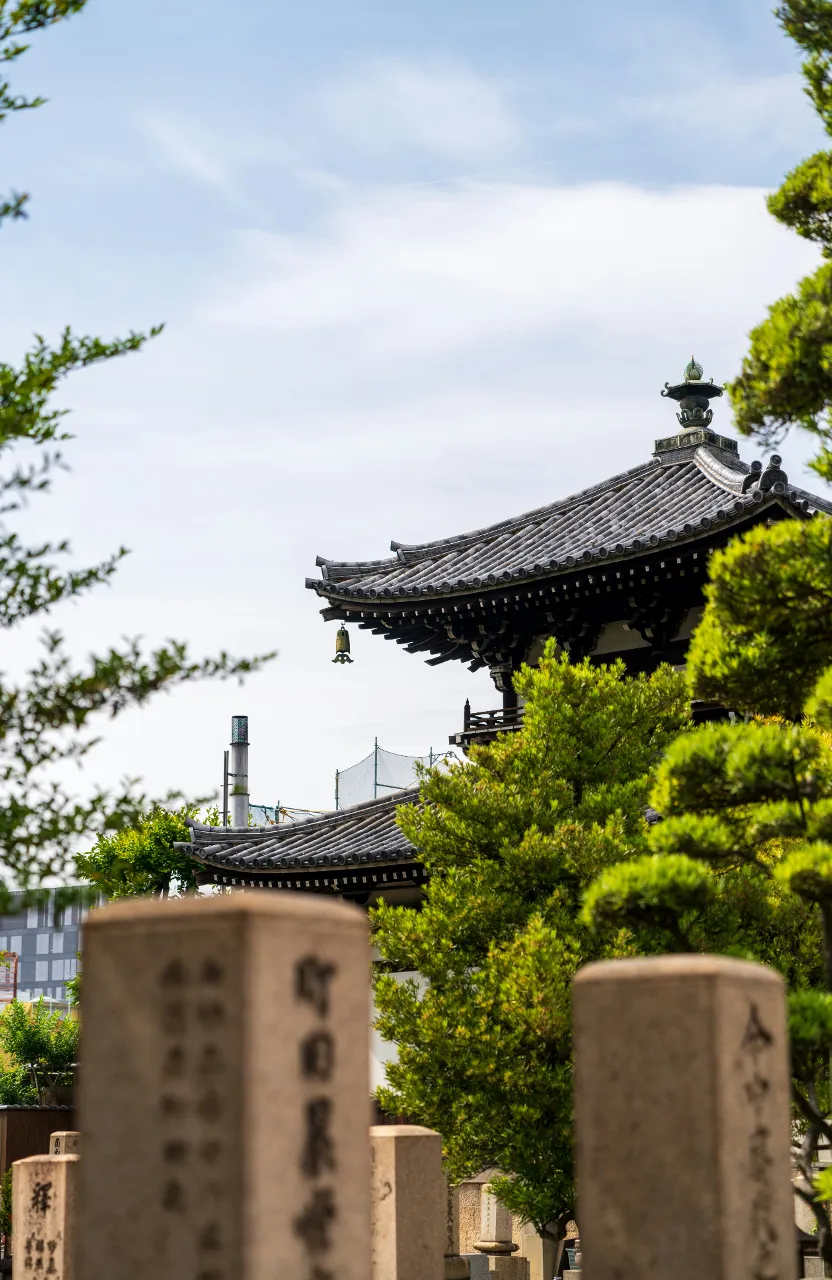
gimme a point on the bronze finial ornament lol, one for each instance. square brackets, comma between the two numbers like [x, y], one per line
[693, 395]
[693, 372]
[342, 645]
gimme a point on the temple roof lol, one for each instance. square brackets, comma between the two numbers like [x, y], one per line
[363, 836]
[686, 489]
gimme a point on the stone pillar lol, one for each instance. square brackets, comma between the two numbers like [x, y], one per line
[456, 1267]
[65, 1142]
[45, 1217]
[409, 1203]
[682, 1120]
[496, 1239]
[226, 1049]
[469, 1194]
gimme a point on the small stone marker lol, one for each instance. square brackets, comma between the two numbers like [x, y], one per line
[410, 1205]
[44, 1216]
[65, 1142]
[682, 1120]
[224, 1097]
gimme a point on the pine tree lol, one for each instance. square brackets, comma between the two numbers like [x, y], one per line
[511, 841]
[786, 378]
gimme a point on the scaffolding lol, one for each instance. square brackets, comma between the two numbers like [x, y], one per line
[382, 772]
[268, 815]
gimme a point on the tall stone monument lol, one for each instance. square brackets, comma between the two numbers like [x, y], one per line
[224, 1097]
[682, 1120]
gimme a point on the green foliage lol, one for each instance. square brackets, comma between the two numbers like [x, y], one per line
[512, 840]
[804, 201]
[21, 17]
[17, 1088]
[141, 860]
[766, 635]
[73, 985]
[822, 1185]
[786, 378]
[39, 1037]
[807, 871]
[661, 891]
[809, 23]
[43, 1048]
[6, 1209]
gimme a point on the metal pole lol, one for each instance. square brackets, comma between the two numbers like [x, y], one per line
[375, 770]
[337, 775]
[225, 788]
[239, 771]
[430, 756]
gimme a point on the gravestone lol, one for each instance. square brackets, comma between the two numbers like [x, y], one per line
[496, 1239]
[456, 1267]
[409, 1203]
[543, 1252]
[682, 1120]
[468, 1197]
[65, 1142]
[226, 1049]
[45, 1217]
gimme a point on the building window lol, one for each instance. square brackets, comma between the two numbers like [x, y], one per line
[16, 943]
[42, 971]
[57, 942]
[43, 944]
[32, 918]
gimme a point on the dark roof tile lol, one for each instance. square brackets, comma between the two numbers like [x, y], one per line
[654, 503]
[361, 835]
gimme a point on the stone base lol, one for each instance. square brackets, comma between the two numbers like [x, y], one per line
[815, 1267]
[456, 1267]
[483, 1266]
[508, 1268]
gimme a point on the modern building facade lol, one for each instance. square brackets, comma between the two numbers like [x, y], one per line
[46, 943]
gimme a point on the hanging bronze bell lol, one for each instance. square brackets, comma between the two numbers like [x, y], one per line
[342, 645]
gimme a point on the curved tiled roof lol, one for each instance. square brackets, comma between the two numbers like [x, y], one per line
[662, 501]
[363, 835]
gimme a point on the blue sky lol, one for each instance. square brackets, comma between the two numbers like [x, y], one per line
[421, 267]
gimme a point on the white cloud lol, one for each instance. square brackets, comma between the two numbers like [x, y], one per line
[185, 148]
[423, 363]
[766, 112]
[771, 108]
[429, 273]
[438, 106]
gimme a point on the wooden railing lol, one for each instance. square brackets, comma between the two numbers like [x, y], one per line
[483, 726]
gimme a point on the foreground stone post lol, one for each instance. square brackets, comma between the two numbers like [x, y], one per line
[65, 1142]
[45, 1216]
[224, 1090]
[682, 1120]
[409, 1203]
